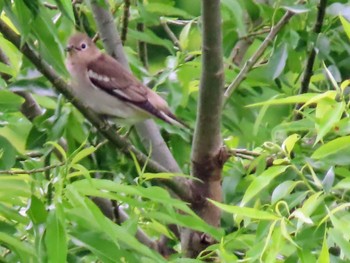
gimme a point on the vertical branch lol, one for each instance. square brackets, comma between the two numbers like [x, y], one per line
[142, 47]
[206, 148]
[305, 82]
[125, 20]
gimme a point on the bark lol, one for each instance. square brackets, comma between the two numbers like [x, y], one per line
[207, 148]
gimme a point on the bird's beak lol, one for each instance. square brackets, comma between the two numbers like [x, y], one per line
[69, 48]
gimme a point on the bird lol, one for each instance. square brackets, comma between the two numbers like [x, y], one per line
[103, 84]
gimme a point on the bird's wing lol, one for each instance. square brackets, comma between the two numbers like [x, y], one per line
[110, 76]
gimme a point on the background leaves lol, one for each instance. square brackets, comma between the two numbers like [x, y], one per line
[287, 201]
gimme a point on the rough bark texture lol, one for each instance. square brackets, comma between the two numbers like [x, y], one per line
[206, 147]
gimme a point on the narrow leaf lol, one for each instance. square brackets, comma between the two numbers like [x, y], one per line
[246, 211]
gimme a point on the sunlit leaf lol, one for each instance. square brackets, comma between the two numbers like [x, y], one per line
[262, 181]
[55, 239]
[246, 211]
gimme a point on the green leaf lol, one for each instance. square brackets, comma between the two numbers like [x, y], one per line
[7, 69]
[10, 102]
[297, 9]
[346, 25]
[184, 36]
[33, 6]
[24, 19]
[283, 190]
[166, 10]
[328, 180]
[278, 60]
[338, 237]
[23, 249]
[302, 98]
[7, 154]
[331, 114]
[332, 78]
[261, 181]
[331, 94]
[324, 255]
[99, 244]
[59, 148]
[36, 138]
[168, 176]
[246, 211]
[37, 210]
[66, 8]
[331, 147]
[149, 37]
[55, 239]
[289, 143]
[17, 186]
[11, 214]
[82, 154]
[49, 43]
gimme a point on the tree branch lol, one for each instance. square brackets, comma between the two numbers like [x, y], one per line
[171, 34]
[312, 56]
[142, 47]
[4, 59]
[206, 147]
[125, 20]
[33, 171]
[258, 53]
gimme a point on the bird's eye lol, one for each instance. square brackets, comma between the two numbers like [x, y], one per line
[83, 46]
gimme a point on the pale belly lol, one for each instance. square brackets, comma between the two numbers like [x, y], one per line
[103, 103]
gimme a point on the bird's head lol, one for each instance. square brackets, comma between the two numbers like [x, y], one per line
[81, 47]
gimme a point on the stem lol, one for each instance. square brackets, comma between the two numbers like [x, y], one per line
[258, 53]
[308, 72]
[33, 171]
[125, 20]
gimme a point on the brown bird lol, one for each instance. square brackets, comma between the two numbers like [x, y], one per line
[105, 86]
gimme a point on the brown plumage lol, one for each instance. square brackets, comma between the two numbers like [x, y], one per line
[103, 84]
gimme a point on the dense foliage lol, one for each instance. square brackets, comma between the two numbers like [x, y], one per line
[285, 190]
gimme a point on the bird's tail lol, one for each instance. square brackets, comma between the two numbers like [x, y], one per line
[169, 117]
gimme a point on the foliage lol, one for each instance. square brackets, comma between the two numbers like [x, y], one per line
[289, 204]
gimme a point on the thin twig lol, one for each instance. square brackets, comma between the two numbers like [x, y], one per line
[305, 82]
[4, 59]
[32, 171]
[258, 53]
[171, 34]
[177, 22]
[50, 6]
[142, 46]
[256, 33]
[243, 151]
[126, 14]
[96, 37]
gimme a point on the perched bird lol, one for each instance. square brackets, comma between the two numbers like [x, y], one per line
[106, 87]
